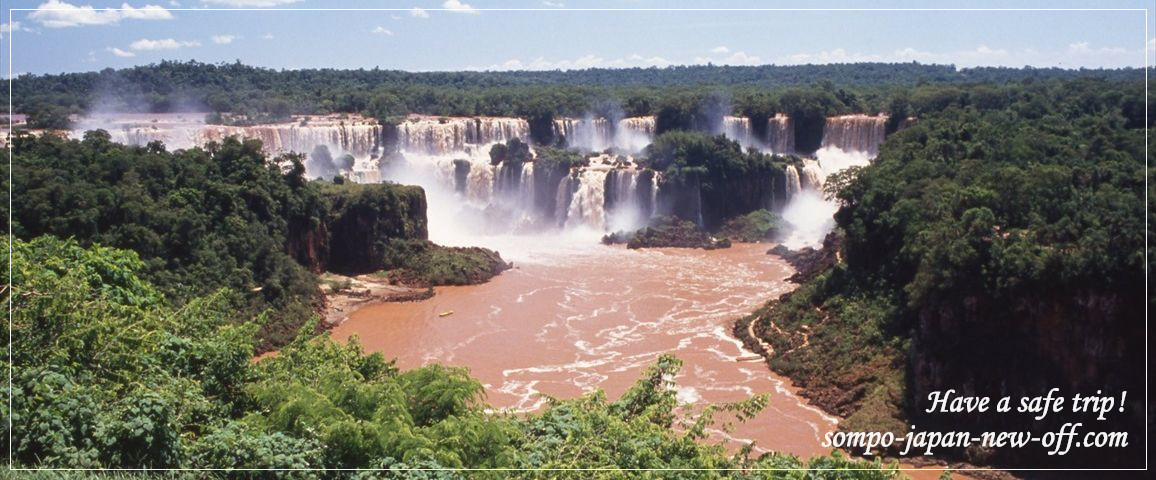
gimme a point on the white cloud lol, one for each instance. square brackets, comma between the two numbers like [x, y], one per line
[550, 4]
[1084, 48]
[268, 36]
[457, 6]
[58, 14]
[251, 3]
[585, 61]
[163, 44]
[223, 39]
[418, 12]
[10, 27]
[1074, 55]
[121, 53]
[382, 31]
[735, 58]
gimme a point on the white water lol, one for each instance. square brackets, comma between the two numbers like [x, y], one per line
[462, 210]
[808, 214]
[593, 134]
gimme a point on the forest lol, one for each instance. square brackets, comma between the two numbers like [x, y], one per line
[1007, 232]
[677, 94]
[227, 218]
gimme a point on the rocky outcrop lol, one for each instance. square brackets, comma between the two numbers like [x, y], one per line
[667, 232]
[355, 225]
[1076, 340]
[809, 262]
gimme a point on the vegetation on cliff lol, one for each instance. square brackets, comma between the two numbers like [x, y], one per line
[708, 179]
[107, 373]
[227, 217]
[200, 219]
[667, 232]
[424, 263]
[758, 226]
[1010, 225]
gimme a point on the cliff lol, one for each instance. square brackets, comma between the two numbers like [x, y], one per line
[357, 223]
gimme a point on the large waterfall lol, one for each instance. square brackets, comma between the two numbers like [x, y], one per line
[447, 136]
[358, 137]
[855, 133]
[848, 141]
[596, 134]
[739, 129]
[780, 135]
[469, 193]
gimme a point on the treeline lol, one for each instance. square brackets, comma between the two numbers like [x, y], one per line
[385, 94]
[991, 248]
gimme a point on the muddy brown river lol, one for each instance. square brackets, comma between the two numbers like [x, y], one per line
[575, 316]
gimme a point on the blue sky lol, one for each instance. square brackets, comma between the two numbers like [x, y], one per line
[55, 36]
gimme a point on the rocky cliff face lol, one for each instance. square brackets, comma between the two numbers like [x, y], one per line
[308, 242]
[711, 202]
[359, 222]
[1080, 341]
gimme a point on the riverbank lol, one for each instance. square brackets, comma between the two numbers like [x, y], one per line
[834, 398]
[346, 294]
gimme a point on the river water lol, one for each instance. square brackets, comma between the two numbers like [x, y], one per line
[574, 315]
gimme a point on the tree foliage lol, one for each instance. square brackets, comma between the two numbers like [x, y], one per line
[109, 374]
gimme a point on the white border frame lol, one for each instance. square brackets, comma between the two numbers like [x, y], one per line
[1147, 67]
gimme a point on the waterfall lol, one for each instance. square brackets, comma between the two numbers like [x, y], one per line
[443, 136]
[359, 137]
[586, 206]
[739, 130]
[780, 135]
[793, 185]
[591, 134]
[855, 133]
[653, 195]
[449, 158]
[526, 192]
[808, 213]
[623, 207]
[562, 199]
[812, 177]
[588, 134]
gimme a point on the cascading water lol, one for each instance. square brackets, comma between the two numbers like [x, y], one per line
[355, 136]
[780, 135]
[446, 136]
[848, 141]
[586, 206]
[739, 130]
[449, 157]
[588, 134]
[855, 133]
[623, 206]
[812, 177]
[592, 134]
[633, 134]
[793, 184]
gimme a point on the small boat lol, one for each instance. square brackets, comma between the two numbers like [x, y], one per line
[446, 313]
